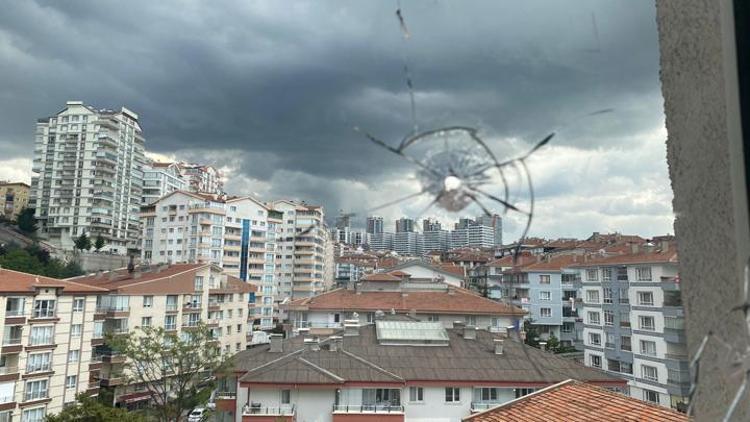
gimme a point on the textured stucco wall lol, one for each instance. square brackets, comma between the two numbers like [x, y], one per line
[698, 71]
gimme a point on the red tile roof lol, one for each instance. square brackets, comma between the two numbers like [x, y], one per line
[380, 277]
[19, 282]
[574, 401]
[553, 263]
[455, 301]
[655, 256]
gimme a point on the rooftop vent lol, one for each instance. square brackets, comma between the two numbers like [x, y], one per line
[499, 344]
[275, 341]
[351, 327]
[313, 343]
[470, 332]
[336, 343]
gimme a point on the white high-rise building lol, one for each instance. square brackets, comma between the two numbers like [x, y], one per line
[408, 243]
[234, 233]
[381, 241]
[302, 242]
[374, 224]
[436, 240]
[89, 165]
[473, 234]
[201, 178]
[160, 179]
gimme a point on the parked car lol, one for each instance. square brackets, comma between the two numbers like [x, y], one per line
[197, 415]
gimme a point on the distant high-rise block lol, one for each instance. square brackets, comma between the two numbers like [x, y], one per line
[89, 176]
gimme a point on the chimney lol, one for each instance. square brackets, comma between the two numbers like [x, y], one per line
[337, 343]
[499, 343]
[350, 285]
[634, 248]
[351, 327]
[99, 274]
[413, 313]
[137, 274]
[470, 332]
[451, 291]
[276, 346]
[664, 246]
[112, 275]
[459, 325]
[312, 343]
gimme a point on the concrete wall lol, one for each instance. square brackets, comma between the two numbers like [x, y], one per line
[704, 151]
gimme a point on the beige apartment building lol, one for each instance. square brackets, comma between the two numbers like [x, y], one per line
[14, 196]
[176, 297]
[301, 251]
[49, 338]
[236, 233]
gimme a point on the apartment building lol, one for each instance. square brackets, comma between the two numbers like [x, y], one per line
[89, 176]
[472, 234]
[421, 294]
[202, 178]
[633, 322]
[160, 179]
[436, 240]
[381, 241]
[14, 196]
[301, 251]
[235, 233]
[175, 297]
[49, 339]
[391, 370]
[408, 243]
[374, 224]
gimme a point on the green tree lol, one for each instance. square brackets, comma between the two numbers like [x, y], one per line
[532, 334]
[82, 242]
[20, 260]
[99, 243]
[26, 221]
[178, 371]
[553, 344]
[88, 409]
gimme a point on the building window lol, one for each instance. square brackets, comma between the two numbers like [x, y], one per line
[381, 396]
[70, 381]
[416, 394]
[44, 309]
[625, 343]
[643, 273]
[78, 304]
[646, 298]
[148, 301]
[545, 312]
[544, 279]
[648, 348]
[286, 396]
[36, 390]
[607, 295]
[651, 396]
[452, 394]
[41, 335]
[595, 361]
[170, 322]
[74, 355]
[544, 295]
[594, 318]
[595, 339]
[470, 320]
[199, 281]
[485, 394]
[649, 372]
[38, 362]
[606, 274]
[146, 321]
[75, 330]
[33, 415]
[609, 318]
[591, 275]
[646, 323]
[592, 296]
[520, 392]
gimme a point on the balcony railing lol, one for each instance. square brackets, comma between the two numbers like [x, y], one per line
[5, 370]
[44, 313]
[171, 307]
[13, 312]
[257, 409]
[368, 408]
[312, 324]
[9, 341]
[43, 367]
[483, 405]
[35, 395]
[225, 395]
[7, 399]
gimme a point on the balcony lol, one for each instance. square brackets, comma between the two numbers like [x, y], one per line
[342, 413]
[483, 405]
[43, 314]
[257, 412]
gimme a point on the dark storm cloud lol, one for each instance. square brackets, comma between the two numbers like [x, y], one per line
[283, 84]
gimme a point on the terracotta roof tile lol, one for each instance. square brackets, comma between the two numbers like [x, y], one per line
[380, 277]
[19, 282]
[574, 401]
[460, 301]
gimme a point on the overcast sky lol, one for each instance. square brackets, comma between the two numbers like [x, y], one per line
[271, 92]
